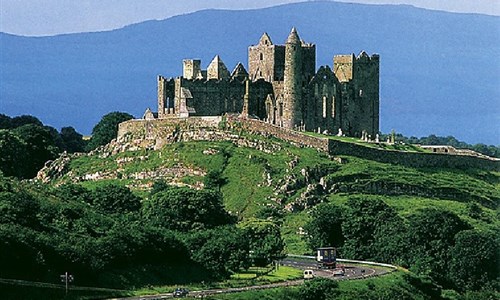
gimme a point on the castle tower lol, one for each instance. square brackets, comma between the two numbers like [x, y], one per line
[360, 77]
[266, 60]
[166, 103]
[292, 105]
[191, 68]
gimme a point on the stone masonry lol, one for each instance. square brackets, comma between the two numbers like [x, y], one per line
[282, 87]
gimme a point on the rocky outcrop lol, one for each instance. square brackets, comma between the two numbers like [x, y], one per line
[54, 169]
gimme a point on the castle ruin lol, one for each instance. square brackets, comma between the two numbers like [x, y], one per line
[282, 88]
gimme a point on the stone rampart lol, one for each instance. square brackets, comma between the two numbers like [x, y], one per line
[158, 132]
[413, 159]
[294, 137]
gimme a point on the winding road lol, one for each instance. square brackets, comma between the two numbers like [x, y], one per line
[352, 271]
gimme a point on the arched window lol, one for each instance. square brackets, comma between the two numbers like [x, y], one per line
[261, 56]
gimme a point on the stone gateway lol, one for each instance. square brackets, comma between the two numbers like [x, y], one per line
[282, 87]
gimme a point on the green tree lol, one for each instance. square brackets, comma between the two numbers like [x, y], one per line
[363, 218]
[24, 120]
[40, 147]
[185, 209]
[475, 259]
[115, 199]
[431, 236]
[266, 244]
[12, 154]
[318, 289]
[159, 186]
[72, 140]
[325, 227]
[390, 242]
[19, 208]
[107, 129]
[5, 122]
[73, 192]
[223, 250]
[214, 179]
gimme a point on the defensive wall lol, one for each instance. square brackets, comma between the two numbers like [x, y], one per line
[158, 132]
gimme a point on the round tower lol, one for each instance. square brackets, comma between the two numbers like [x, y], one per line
[292, 109]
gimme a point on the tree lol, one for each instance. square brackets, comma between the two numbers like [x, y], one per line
[431, 236]
[24, 120]
[363, 218]
[5, 122]
[12, 154]
[266, 244]
[159, 186]
[19, 208]
[318, 289]
[214, 179]
[40, 147]
[185, 209]
[72, 140]
[475, 259]
[223, 250]
[115, 199]
[325, 227]
[390, 242]
[107, 129]
[73, 192]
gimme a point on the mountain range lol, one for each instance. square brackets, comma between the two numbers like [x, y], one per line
[439, 71]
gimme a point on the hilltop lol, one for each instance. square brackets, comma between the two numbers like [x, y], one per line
[261, 175]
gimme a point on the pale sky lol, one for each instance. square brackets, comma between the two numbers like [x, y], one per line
[50, 17]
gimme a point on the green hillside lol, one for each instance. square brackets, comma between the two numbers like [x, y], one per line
[285, 182]
[197, 212]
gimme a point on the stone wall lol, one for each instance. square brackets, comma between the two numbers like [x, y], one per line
[413, 159]
[156, 133]
[294, 137]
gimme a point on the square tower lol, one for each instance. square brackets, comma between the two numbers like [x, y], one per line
[191, 68]
[266, 60]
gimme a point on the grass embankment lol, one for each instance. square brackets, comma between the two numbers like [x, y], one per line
[250, 277]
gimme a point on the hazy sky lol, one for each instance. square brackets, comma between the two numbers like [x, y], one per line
[49, 17]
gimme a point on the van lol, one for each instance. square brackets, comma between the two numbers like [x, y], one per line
[308, 274]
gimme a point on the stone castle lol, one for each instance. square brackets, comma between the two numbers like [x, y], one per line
[282, 87]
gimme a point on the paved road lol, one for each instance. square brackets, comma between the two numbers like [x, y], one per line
[351, 272]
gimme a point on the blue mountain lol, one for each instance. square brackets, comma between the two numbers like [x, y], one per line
[439, 71]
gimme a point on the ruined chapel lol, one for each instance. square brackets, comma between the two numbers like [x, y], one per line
[281, 87]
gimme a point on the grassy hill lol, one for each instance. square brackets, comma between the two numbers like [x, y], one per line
[153, 234]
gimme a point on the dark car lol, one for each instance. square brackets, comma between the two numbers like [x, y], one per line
[179, 293]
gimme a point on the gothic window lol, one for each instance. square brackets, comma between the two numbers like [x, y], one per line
[324, 106]
[333, 106]
[262, 55]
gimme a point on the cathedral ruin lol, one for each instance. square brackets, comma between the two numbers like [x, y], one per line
[281, 87]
